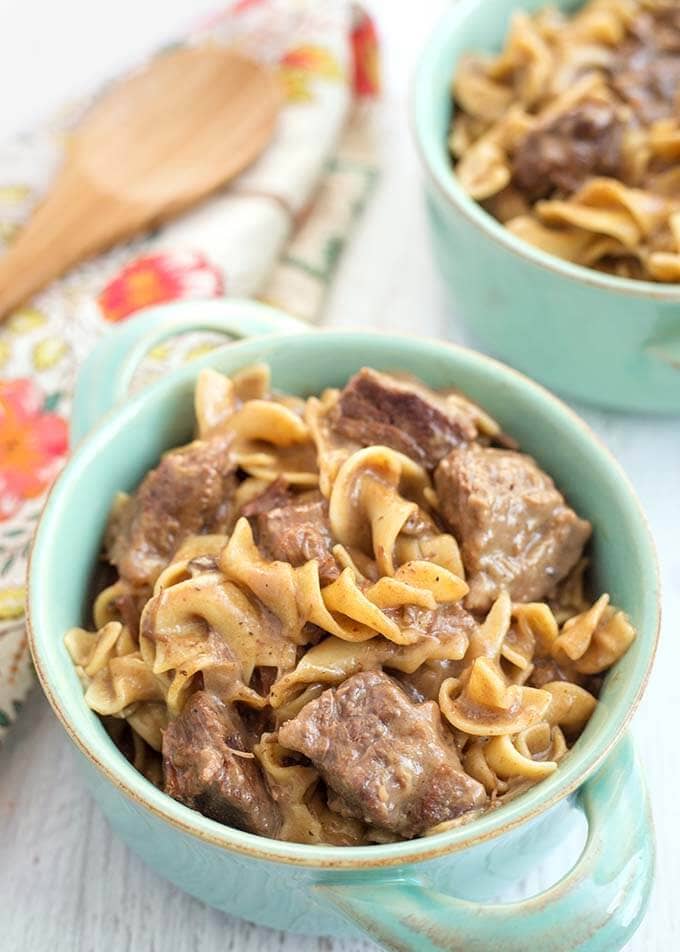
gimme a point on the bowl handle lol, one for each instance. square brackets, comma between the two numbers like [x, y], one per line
[596, 907]
[664, 345]
[105, 376]
[667, 352]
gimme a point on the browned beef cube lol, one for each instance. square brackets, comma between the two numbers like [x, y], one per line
[378, 409]
[294, 529]
[515, 529]
[560, 156]
[645, 69]
[190, 492]
[207, 766]
[276, 494]
[386, 760]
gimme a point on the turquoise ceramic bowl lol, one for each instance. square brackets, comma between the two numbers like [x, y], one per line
[426, 894]
[592, 336]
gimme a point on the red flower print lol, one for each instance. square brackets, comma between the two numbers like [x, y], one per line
[365, 52]
[154, 279]
[33, 444]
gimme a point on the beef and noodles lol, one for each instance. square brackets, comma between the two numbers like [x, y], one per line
[355, 618]
[571, 135]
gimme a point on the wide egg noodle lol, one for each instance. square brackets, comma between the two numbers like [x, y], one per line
[270, 637]
[622, 222]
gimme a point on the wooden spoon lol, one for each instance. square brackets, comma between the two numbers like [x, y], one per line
[158, 142]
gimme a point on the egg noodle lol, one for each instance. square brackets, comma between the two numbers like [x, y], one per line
[220, 614]
[571, 135]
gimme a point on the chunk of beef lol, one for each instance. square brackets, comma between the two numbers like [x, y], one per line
[294, 529]
[650, 86]
[189, 493]
[274, 495]
[376, 408]
[515, 529]
[208, 767]
[646, 67]
[560, 156]
[387, 761]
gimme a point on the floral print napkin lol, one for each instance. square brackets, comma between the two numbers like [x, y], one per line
[276, 233]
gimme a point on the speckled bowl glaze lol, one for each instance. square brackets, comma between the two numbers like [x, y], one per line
[607, 340]
[425, 894]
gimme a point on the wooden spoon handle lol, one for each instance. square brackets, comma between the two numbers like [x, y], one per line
[72, 223]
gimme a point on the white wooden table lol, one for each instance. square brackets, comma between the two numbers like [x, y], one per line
[66, 884]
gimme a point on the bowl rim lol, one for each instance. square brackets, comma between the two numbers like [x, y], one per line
[446, 182]
[111, 763]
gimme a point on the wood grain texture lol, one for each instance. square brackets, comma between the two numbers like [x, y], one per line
[69, 886]
[154, 145]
